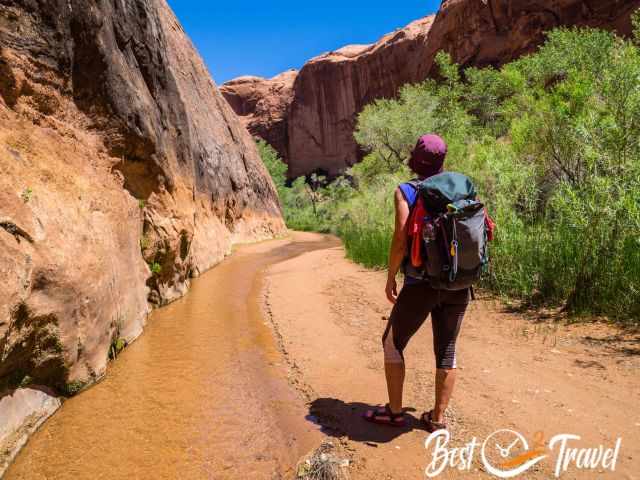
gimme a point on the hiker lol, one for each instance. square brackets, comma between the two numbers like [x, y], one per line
[419, 296]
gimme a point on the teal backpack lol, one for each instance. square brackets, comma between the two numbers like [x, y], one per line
[450, 225]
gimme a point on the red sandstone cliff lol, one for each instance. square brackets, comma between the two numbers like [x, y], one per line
[123, 173]
[492, 32]
[262, 105]
[331, 89]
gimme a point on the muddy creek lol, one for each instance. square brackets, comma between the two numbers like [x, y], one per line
[202, 394]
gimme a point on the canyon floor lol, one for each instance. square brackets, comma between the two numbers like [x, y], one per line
[521, 372]
[278, 350]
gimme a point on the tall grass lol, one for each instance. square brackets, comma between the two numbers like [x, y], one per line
[365, 221]
[366, 244]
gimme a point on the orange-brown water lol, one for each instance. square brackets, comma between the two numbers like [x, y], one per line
[202, 394]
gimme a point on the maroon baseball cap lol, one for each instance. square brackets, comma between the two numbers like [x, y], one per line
[427, 159]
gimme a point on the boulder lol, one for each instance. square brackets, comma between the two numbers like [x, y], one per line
[22, 412]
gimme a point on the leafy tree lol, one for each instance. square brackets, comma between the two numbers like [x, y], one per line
[275, 166]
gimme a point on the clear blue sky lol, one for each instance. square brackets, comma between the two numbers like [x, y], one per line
[267, 37]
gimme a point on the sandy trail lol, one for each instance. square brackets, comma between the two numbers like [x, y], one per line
[525, 374]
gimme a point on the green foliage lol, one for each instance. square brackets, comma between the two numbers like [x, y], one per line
[485, 92]
[389, 128]
[366, 224]
[117, 345]
[26, 194]
[26, 381]
[553, 143]
[145, 242]
[142, 203]
[275, 166]
[18, 378]
[73, 388]
[307, 203]
[156, 268]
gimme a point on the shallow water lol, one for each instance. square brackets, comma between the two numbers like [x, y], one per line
[202, 394]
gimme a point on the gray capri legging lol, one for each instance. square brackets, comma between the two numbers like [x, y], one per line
[414, 304]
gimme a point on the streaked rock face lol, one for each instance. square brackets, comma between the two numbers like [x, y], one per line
[124, 173]
[331, 89]
[262, 106]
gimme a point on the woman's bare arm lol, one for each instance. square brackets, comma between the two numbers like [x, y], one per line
[398, 245]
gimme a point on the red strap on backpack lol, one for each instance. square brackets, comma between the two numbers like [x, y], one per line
[490, 225]
[414, 231]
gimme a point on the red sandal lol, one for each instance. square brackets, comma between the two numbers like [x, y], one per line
[427, 419]
[384, 416]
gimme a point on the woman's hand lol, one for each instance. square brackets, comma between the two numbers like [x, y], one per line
[392, 289]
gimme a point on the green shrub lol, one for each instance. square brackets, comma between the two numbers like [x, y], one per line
[117, 346]
[73, 388]
[552, 142]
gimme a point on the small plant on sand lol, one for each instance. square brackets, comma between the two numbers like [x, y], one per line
[141, 203]
[323, 464]
[117, 343]
[17, 379]
[26, 194]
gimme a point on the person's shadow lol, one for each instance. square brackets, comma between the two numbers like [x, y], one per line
[338, 419]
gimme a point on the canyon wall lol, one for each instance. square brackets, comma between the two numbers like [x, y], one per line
[331, 89]
[262, 105]
[123, 174]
